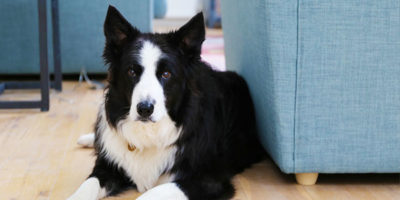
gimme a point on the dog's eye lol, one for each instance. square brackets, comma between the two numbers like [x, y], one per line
[131, 72]
[166, 75]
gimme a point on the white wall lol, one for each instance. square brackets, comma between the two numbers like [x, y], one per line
[181, 8]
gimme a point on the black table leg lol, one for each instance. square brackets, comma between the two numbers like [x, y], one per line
[44, 68]
[56, 46]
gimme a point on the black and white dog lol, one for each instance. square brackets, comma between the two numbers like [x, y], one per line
[170, 125]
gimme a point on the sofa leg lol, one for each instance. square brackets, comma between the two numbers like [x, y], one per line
[306, 178]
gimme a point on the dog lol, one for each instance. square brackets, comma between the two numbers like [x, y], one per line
[170, 126]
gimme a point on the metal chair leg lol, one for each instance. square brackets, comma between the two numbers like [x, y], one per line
[44, 67]
[56, 46]
[44, 83]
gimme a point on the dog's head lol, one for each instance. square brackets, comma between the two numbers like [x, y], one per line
[147, 71]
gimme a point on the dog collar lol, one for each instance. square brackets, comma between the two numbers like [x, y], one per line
[131, 147]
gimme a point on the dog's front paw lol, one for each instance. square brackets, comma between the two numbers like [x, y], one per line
[89, 190]
[168, 191]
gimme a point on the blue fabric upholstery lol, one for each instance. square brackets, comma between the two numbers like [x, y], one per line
[81, 32]
[160, 8]
[325, 79]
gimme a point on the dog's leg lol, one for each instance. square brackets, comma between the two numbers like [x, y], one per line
[89, 190]
[86, 140]
[167, 191]
[106, 179]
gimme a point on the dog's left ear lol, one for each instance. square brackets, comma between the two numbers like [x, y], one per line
[191, 36]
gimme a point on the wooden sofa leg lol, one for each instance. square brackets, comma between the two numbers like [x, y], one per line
[306, 178]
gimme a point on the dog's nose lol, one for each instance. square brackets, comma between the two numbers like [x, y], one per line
[145, 109]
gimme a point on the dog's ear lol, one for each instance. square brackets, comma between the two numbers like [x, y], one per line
[117, 31]
[191, 36]
[116, 28]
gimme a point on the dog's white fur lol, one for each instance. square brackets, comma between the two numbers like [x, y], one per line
[155, 152]
[167, 191]
[86, 140]
[149, 87]
[89, 190]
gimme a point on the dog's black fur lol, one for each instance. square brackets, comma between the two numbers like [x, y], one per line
[214, 109]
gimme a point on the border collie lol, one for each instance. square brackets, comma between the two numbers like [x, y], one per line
[169, 125]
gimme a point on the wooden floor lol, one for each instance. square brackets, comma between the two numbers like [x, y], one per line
[39, 158]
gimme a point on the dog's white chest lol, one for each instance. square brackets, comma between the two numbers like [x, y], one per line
[145, 167]
[145, 164]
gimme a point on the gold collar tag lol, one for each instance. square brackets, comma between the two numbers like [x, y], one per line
[131, 147]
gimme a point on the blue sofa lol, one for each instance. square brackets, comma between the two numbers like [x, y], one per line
[81, 33]
[325, 80]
